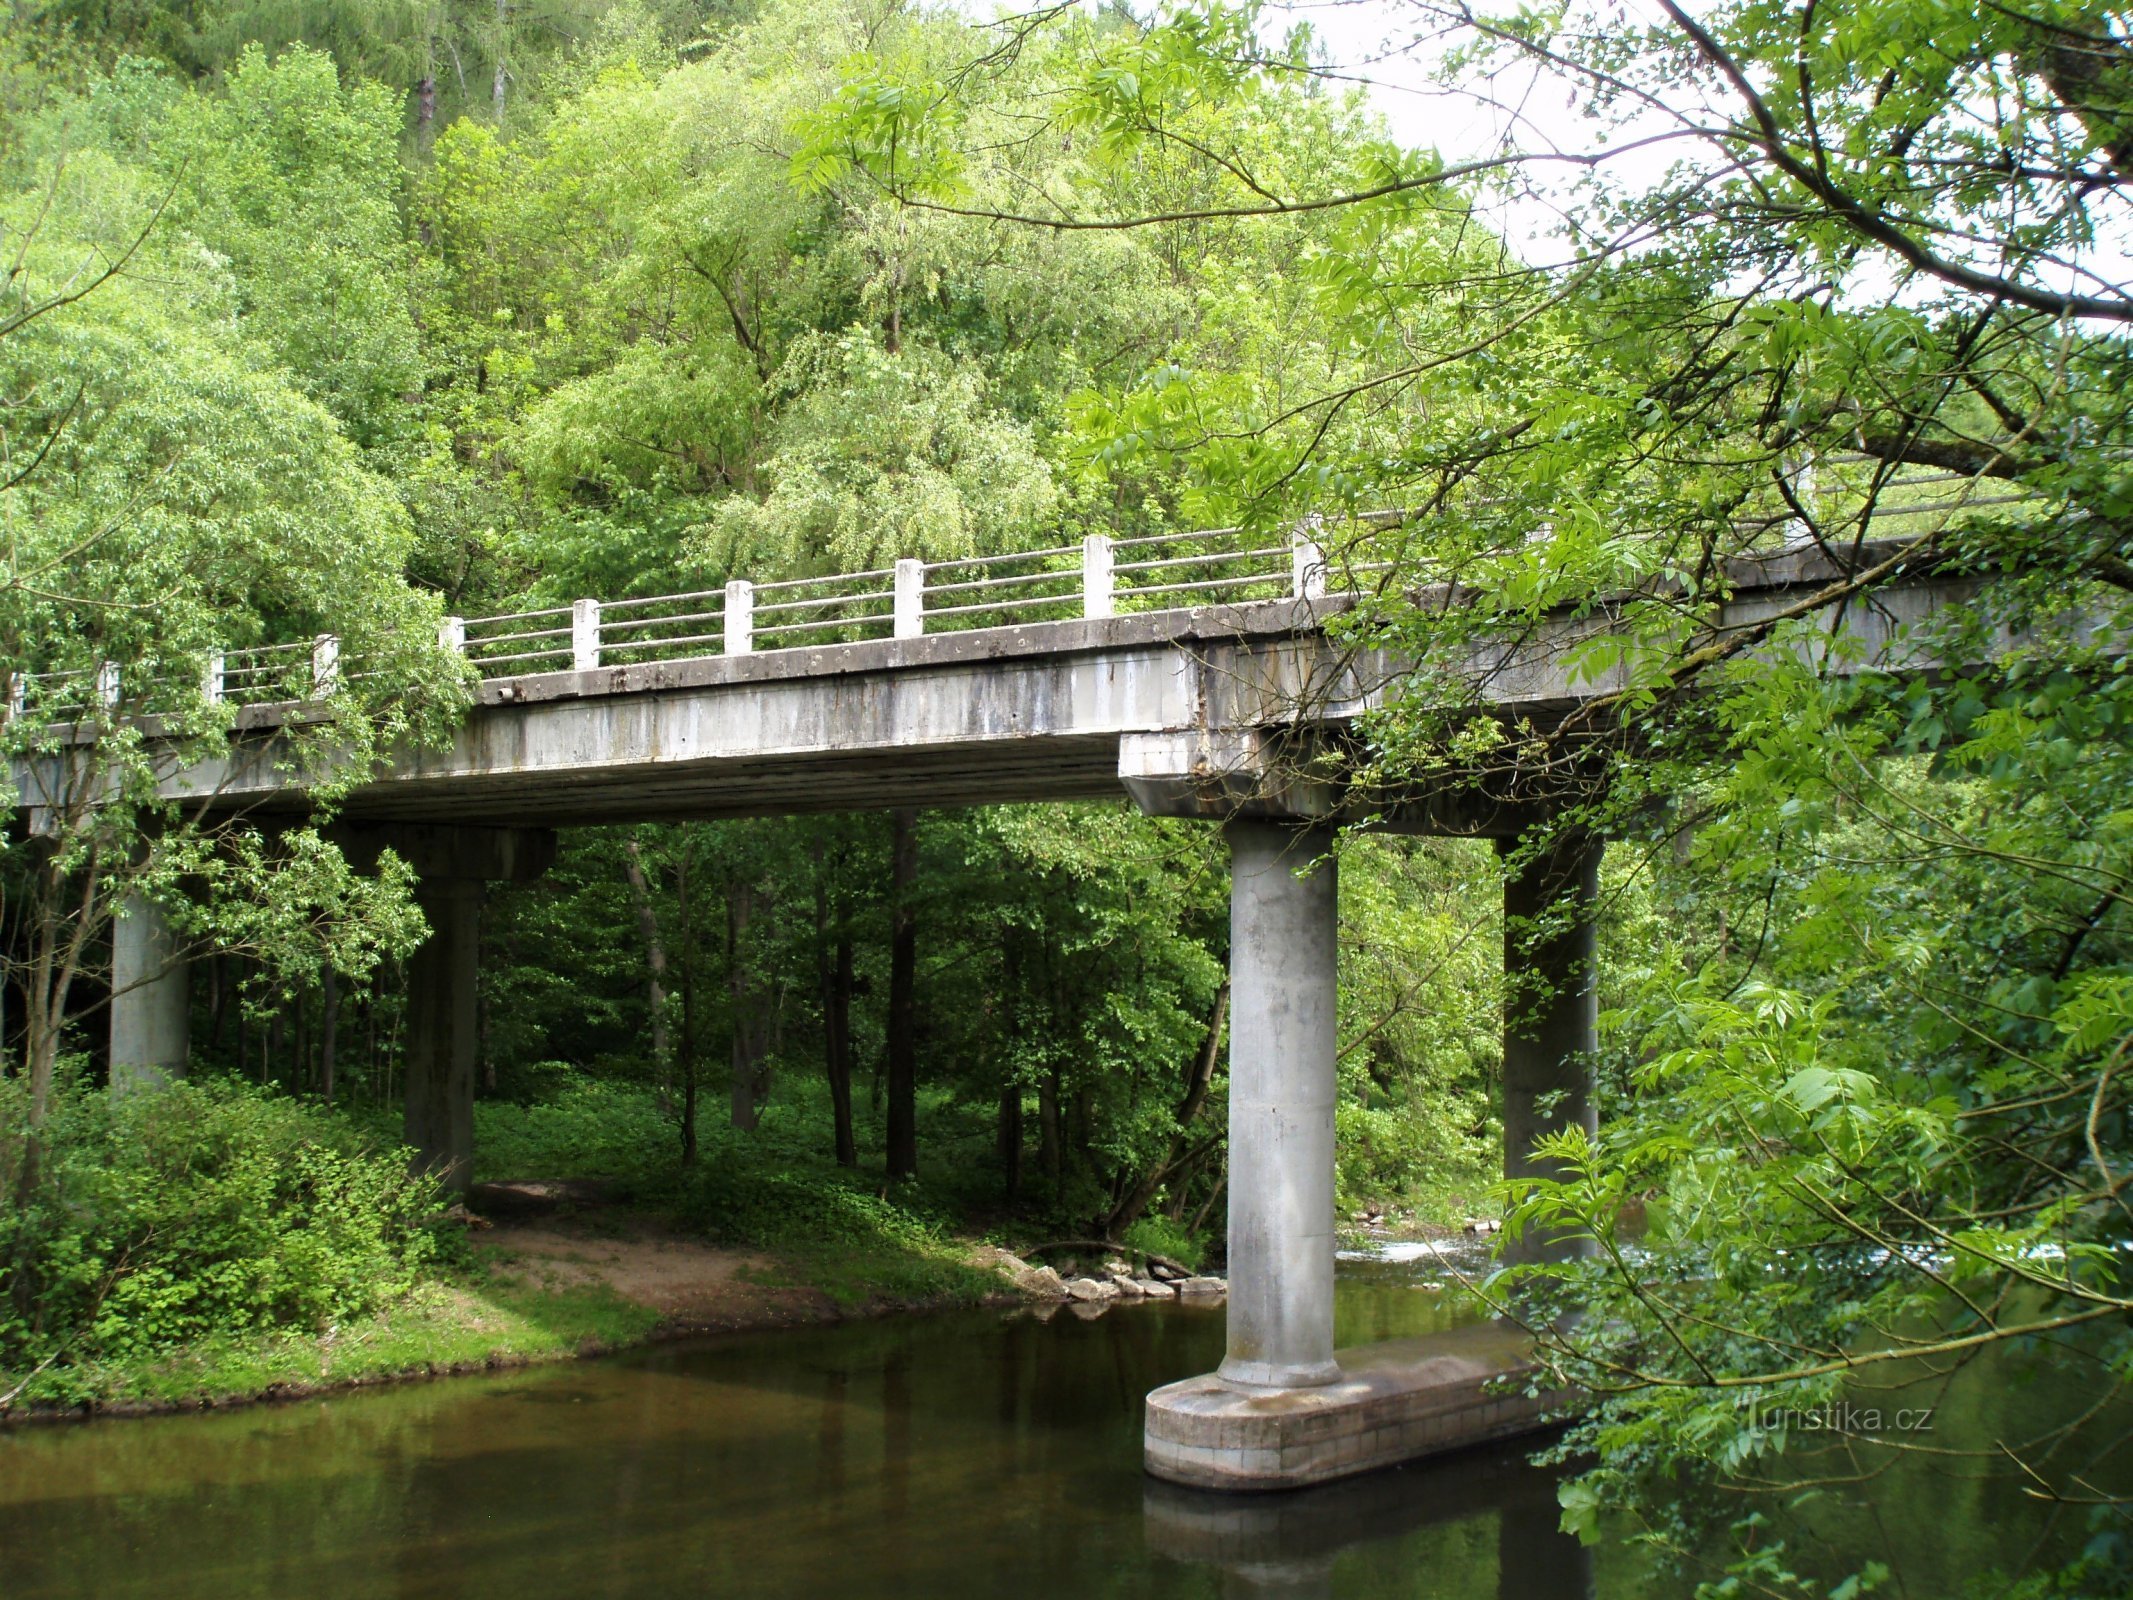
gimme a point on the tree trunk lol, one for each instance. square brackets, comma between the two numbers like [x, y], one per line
[688, 1012]
[833, 971]
[277, 1041]
[655, 970]
[1008, 1137]
[903, 996]
[329, 1019]
[496, 87]
[1049, 1155]
[218, 1000]
[302, 1053]
[742, 1057]
[426, 112]
[1010, 1140]
[1199, 1078]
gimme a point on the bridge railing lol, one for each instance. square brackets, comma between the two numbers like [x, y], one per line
[1099, 577]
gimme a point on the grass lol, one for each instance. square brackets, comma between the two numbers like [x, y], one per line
[487, 1319]
[849, 1233]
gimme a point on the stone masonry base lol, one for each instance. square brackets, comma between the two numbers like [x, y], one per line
[1394, 1402]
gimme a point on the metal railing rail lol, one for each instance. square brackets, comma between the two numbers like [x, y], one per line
[1099, 577]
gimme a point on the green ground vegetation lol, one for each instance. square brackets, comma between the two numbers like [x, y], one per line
[303, 334]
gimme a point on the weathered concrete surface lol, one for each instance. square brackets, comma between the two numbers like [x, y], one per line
[151, 999]
[1551, 1022]
[1284, 991]
[442, 1042]
[1393, 1402]
[1032, 713]
[1011, 714]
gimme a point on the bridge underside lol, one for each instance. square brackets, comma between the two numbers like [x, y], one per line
[1005, 772]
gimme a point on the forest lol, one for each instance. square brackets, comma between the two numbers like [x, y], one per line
[344, 319]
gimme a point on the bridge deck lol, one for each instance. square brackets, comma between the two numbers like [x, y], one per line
[1036, 712]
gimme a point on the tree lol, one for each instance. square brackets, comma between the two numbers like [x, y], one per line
[169, 496]
[1873, 306]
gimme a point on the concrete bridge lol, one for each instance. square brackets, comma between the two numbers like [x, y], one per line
[1056, 681]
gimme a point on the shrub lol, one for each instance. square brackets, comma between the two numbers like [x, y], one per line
[204, 1208]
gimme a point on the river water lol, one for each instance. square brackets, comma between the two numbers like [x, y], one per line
[961, 1454]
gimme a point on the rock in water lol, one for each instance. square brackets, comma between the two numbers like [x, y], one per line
[1041, 1283]
[1203, 1288]
[1091, 1290]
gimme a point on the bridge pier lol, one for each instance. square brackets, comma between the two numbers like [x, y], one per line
[453, 866]
[1285, 1409]
[151, 998]
[1284, 993]
[1551, 1023]
[442, 1036]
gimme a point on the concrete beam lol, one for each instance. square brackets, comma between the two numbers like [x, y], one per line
[1551, 1013]
[446, 850]
[1284, 917]
[151, 999]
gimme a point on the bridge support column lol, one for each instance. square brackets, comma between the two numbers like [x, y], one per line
[441, 1032]
[1551, 1013]
[1284, 917]
[451, 865]
[151, 998]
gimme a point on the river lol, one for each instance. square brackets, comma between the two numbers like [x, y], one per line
[961, 1454]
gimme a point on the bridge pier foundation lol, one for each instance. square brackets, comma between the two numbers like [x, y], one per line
[151, 998]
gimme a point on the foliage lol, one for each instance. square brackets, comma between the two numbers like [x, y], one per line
[208, 1209]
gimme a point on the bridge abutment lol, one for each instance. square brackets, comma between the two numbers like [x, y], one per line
[151, 998]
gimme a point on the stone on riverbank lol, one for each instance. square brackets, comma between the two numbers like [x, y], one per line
[1041, 1283]
[1091, 1290]
[1203, 1288]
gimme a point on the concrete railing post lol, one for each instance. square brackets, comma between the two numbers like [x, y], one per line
[740, 617]
[1551, 1014]
[1307, 563]
[151, 1002]
[325, 665]
[1284, 987]
[452, 635]
[107, 684]
[910, 598]
[212, 681]
[1099, 591]
[584, 635]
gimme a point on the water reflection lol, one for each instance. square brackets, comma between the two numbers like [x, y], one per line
[1296, 1546]
[936, 1457]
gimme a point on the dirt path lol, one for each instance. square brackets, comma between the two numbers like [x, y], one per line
[694, 1286]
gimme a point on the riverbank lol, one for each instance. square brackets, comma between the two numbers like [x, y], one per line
[542, 1288]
